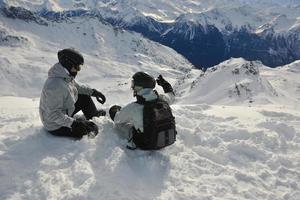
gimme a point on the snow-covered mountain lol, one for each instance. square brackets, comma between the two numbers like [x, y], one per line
[237, 81]
[210, 31]
[238, 122]
[231, 82]
[107, 50]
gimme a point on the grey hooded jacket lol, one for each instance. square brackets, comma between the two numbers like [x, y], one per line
[58, 98]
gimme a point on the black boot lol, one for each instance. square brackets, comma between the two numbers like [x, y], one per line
[100, 113]
[87, 106]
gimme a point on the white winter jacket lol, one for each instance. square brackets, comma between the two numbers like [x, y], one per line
[58, 98]
[131, 115]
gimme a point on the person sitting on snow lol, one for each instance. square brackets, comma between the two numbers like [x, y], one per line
[62, 97]
[148, 123]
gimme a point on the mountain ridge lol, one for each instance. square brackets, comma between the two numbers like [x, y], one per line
[205, 39]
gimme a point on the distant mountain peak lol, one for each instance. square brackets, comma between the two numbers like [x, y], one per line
[235, 80]
[206, 32]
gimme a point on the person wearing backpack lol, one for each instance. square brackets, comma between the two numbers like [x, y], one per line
[147, 123]
[62, 97]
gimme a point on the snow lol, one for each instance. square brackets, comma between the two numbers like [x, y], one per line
[230, 145]
[221, 153]
[232, 82]
[235, 13]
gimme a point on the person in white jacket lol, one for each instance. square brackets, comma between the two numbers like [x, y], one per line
[62, 97]
[129, 119]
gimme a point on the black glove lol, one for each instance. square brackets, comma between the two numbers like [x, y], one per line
[164, 84]
[83, 127]
[99, 96]
[113, 110]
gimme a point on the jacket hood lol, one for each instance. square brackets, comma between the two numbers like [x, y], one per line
[58, 71]
[148, 94]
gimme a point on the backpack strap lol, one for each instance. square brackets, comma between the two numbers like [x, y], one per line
[130, 147]
[131, 140]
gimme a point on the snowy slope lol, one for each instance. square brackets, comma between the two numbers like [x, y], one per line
[232, 81]
[108, 51]
[237, 81]
[222, 152]
[286, 81]
[238, 123]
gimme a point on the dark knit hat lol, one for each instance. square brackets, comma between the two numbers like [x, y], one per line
[70, 58]
[143, 80]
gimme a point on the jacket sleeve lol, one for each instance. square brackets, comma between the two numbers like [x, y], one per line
[55, 98]
[84, 89]
[168, 97]
[124, 115]
[123, 119]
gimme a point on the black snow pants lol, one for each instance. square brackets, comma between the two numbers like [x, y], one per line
[84, 104]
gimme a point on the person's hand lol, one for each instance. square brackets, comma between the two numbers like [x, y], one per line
[160, 80]
[99, 96]
[113, 110]
[164, 84]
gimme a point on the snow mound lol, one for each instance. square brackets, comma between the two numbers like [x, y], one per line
[286, 81]
[293, 67]
[233, 81]
[222, 152]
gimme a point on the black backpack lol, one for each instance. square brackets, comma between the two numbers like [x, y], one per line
[159, 126]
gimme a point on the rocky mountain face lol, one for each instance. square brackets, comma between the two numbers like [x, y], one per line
[206, 45]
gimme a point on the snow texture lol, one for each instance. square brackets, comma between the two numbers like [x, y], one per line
[238, 123]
